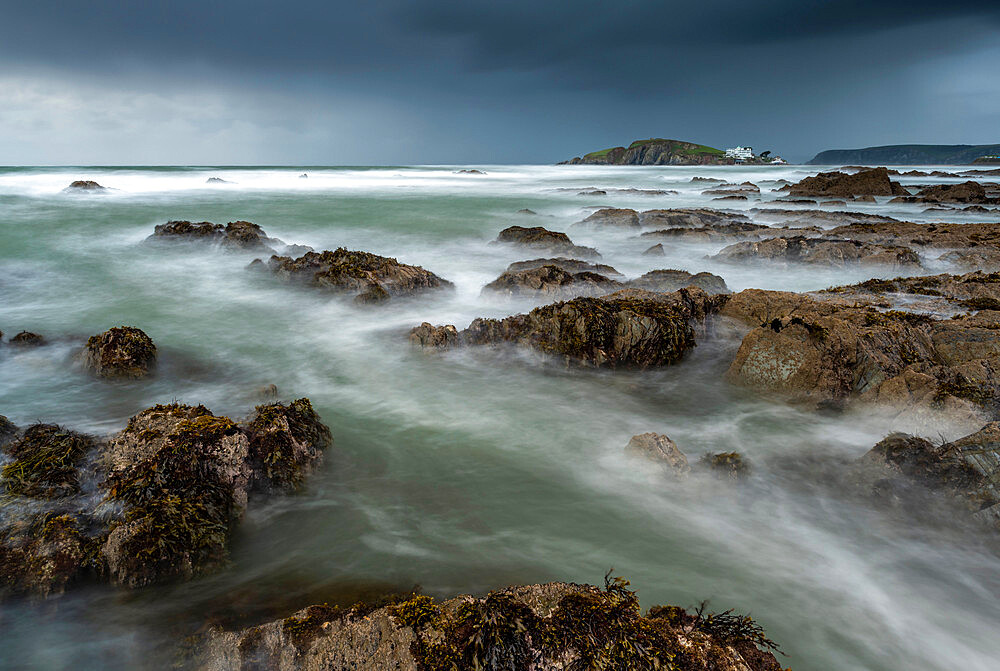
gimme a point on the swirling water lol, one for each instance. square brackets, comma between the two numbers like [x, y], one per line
[472, 469]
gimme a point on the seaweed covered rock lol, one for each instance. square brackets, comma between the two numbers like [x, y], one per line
[551, 282]
[658, 449]
[549, 242]
[183, 476]
[611, 217]
[369, 278]
[121, 352]
[8, 430]
[619, 330]
[800, 249]
[242, 235]
[711, 232]
[727, 465]
[671, 280]
[874, 182]
[286, 444]
[27, 339]
[569, 265]
[44, 556]
[84, 185]
[429, 336]
[44, 462]
[546, 627]
[965, 472]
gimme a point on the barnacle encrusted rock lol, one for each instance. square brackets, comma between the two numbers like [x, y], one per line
[121, 352]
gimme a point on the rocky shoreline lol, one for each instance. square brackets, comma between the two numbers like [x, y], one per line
[158, 501]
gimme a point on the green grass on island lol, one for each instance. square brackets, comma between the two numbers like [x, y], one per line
[676, 146]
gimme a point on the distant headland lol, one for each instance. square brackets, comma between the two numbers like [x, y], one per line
[911, 154]
[658, 151]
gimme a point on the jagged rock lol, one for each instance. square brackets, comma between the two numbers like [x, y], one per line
[671, 280]
[541, 238]
[659, 449]
[800, 249]
[874, 182]
[655, 250]
[85, 185]
[529, 627]
[27, 339]
[829, 353]
[551, 282]
[965, 471]
[242, 235]
[121, 352]
[434, 337]
[217, 180]
[368, 277]
[966, 192]
[612, 218]
[569, 265]
[689, 218]
[630, 328]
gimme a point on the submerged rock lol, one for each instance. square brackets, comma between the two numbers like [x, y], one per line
[666, 281]
[655, 250]
[551, 281]
[434, 337]
[729, 465]
[569, 265]
[800, 249]
[368, 277]
[242, 235]
[611, 218]
[659, 449]
[85, 185]
[965, 471]
[552, 242]
[121, 352]
[529, 627]
[217, 180]
[27, 339]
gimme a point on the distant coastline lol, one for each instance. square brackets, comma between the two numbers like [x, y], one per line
[911, 154]
[660, 151]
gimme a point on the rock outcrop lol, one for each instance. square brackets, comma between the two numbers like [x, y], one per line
[689, 218]
[832, 352]
[369, 278]
[610, 217]
[27, 339]
[122, 352]
[542, 239]
[569, 265]
[909, 470]
[966, 192]
[85, 185]
[154, 503]
[874, 182]
[656, 151]
[800, 249]
[546, 627]
[666, 281]
[552, 282]
[241, 235]
[626, 329]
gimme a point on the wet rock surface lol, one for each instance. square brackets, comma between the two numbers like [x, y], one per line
[241, 235]
[800, 249]
[659, 449]
[874, 182]
[546, 626]
[612, 218]
[369, 278]
[156, 502]
[122, 352]
[550, 242]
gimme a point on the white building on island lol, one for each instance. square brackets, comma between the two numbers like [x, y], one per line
[740, 153]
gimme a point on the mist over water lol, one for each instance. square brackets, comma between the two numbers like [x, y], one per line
[476, 468]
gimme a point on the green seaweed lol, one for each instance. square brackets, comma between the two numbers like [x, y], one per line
[46, 462]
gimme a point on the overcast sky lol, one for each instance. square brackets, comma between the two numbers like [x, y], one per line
[464, 81]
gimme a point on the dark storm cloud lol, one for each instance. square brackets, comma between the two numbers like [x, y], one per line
[522, 80]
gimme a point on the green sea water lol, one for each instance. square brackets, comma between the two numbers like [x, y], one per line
[469, 470]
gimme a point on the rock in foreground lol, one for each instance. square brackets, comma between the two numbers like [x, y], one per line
[123, 352]
[543, 627]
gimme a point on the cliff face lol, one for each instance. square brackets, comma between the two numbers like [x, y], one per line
[907, 154]
[655, 151]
